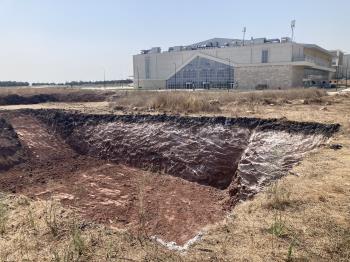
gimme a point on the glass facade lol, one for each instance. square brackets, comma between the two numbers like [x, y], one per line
[202, 73]
[315, 74]
[147, 67]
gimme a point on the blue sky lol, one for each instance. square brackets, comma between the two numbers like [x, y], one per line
[63, 40]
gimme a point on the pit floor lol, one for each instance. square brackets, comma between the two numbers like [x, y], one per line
[116, 195]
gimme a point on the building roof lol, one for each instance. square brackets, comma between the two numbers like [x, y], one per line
[215, 41]
[313, 46]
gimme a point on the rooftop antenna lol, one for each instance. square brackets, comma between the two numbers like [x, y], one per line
[292, 25]
[244, 31]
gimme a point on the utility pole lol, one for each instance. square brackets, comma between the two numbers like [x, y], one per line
[244, 31]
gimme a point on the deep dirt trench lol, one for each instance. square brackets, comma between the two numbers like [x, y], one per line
[170, 175]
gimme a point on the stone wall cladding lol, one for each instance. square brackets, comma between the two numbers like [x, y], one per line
[298, 76]
[275, 76]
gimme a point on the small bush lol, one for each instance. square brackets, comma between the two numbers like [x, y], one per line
[51, 218]
[3, 217]
[78, 243]
[278, 197]
[278, 227]
[183, 102]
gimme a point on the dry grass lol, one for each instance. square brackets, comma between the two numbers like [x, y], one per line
[300, 218]
[28, 236]
[209, 102]
[305, 219]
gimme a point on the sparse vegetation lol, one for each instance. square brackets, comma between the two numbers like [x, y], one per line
[290, 251]
[77, 247]
[3, 217]
[306, 217]
[278, 197]
[209, 102]
[51, 218]
[278, 227]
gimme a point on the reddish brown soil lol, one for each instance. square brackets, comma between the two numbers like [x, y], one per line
[117, 195]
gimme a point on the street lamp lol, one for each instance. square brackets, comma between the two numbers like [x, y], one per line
[244, 31]
[292, 25]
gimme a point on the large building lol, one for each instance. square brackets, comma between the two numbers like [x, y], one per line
[341, 64]
[346, 67]
[224, 63]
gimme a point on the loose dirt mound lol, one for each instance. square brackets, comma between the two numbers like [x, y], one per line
[23, 100]
[11, 152]
[15, 99]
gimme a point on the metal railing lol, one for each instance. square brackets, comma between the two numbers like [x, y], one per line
[314, 60]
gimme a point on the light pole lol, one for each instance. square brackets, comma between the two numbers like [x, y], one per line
[138, 78]
[244, 31]
[292, 25]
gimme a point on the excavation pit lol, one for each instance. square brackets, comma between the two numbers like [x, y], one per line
[167, 176]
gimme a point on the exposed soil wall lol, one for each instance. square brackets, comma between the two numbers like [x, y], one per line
[92, 163]
[11, 151]
[268, 157]
[241, 153]
[70, 120]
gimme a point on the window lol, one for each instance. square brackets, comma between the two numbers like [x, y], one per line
[204, 73]
[265, 56]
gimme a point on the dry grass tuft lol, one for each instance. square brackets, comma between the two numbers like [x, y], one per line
[3, 217]
[184, 102]
[29, 236]
[209, 102]
[278, 197]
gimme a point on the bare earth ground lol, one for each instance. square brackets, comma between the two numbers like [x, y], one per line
[108, 193]
[302, 218]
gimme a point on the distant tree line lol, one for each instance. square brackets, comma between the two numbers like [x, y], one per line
[72, 83]
[109, 82]
[13, 83]
[48, 84]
